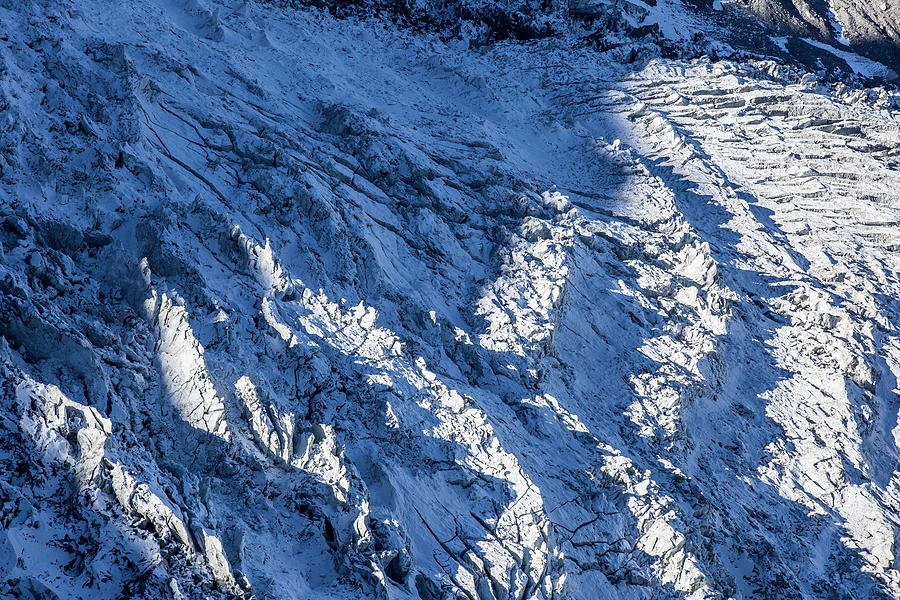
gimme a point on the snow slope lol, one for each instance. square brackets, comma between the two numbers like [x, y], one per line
[299, 307]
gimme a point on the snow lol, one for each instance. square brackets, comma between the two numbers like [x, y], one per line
[296, 307]
[836, 24]
[860, 64]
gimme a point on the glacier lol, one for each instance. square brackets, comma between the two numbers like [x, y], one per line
[306, 304]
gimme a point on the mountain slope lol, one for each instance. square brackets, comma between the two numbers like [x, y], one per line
[297, 306]
[870, 28]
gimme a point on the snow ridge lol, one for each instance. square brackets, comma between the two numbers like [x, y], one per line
[296, 307]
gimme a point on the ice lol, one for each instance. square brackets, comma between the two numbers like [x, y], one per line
[302, 305]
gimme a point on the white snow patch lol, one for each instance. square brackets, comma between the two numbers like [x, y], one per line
[860, 64]
[836, 24]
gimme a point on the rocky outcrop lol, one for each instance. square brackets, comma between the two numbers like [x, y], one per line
[869, 27]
